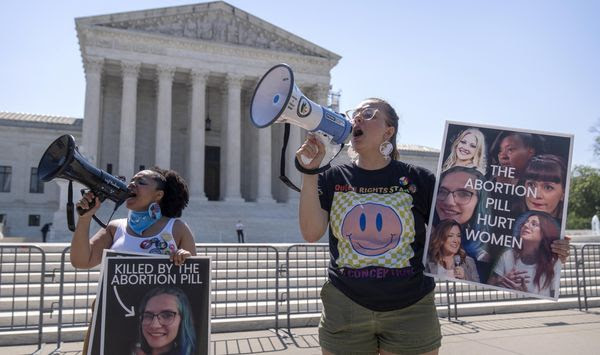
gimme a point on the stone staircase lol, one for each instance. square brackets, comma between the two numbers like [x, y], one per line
[245, 279]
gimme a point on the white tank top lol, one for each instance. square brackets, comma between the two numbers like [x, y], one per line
[162, 243]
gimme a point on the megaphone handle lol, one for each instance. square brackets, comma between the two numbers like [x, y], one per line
[70, 213]
[82, 211]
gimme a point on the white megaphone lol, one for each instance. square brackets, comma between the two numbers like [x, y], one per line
[277, 99]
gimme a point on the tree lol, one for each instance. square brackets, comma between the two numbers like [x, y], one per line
[596, 129]
[584, 197]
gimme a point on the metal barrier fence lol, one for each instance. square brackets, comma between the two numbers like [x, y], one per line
[245, 283]
[22, 281]
[590, 260]
[75, 307]
[306, 272]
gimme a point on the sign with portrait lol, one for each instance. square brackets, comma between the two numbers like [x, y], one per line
[500, 201]
[149, 304]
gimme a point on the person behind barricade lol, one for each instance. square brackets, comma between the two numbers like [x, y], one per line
[376, 299]
[468, 150]
[239, 230]
[166, 324]
[596, 222]
[45, 229]
[532, 267]
[446, 256]
[152, 226]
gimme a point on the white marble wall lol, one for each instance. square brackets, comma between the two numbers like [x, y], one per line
[21, 147]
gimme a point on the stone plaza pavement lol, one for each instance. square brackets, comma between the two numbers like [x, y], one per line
[548, 332]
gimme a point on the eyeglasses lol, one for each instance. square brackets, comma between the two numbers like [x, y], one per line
[366, 114]
[461, 197]
[164, 317]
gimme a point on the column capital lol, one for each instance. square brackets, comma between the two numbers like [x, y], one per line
[199, 75]
[321, 89]
[130, 68]
[165, 72]
[234, 79]
[93, 65]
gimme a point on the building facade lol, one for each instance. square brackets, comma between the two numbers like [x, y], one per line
[172, 87]
[26, 204]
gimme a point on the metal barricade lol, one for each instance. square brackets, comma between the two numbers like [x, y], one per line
[590, 257]
[245, 280]
[569, 276]
[306, 272]
[78, 289]
[22, 280]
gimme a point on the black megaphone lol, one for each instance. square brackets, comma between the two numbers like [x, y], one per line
[62, 159]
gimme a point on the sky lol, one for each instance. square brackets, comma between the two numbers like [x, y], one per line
[520, 64]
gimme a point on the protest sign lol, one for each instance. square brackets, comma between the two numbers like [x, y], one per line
[500, 200]
[150, 304]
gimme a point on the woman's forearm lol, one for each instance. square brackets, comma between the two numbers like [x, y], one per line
[313, 219]
[81, 251]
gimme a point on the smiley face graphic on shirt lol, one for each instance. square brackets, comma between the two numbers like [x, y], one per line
[372, 229]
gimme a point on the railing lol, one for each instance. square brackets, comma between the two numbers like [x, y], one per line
[590, 260]
[22, 280]
[247, 281]
[74, 308]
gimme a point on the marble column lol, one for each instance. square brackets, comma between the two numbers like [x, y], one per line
[197, 135]
[163, 119]
[233, 138]
[91, 123]
[128, 116]
[264, 194]
[320, 94]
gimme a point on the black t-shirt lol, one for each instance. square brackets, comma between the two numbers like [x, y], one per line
[377, 224]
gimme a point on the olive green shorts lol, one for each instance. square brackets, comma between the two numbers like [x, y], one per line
[348, 328]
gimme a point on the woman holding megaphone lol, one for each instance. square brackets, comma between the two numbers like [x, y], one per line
[152, 225]
[376, 299]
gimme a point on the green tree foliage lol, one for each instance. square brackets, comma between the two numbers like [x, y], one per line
[584, 197]
[596, 129]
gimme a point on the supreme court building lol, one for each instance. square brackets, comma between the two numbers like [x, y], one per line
[172, 87]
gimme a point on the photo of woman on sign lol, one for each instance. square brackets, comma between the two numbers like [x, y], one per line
[447, 257]
[547, 175]
[166, 324]
[533, 267]
[462, 203]
[513, 150]
[468, 150]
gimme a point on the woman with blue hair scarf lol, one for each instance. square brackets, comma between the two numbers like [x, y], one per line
[166, 323]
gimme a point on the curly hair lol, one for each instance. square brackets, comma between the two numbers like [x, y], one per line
[176, 195]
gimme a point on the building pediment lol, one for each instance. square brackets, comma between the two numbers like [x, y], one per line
[215, 22]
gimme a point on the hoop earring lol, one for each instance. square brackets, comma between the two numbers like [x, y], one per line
[154, 211]
[385, 149]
